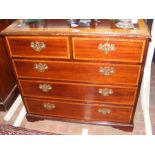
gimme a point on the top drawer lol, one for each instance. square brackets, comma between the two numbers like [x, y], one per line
[36, 47]
[108, 49]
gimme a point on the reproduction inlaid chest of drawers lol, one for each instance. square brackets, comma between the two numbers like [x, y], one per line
[88, 75]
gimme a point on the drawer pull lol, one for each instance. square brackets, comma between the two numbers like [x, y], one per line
[104, 111]
[37, 46]
[106, 48]
[45, 87]
[49, 106]
[41, 67]
[107, 70]
[105, 91]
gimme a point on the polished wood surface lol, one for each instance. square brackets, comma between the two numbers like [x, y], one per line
[78, 71]
[61, 27]
[56, 47]
[89, 75]
[8, 87]
[79, 92]
[7, 80]
[127, 50]
[87, 112]
[4, 23]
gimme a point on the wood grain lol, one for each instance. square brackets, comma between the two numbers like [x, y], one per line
[126, 50]
[78, 111]
[60, 27]
[56, 47]
[79, 92]
[78, 71]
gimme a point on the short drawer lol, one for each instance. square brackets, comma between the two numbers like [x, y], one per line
[80, 92]
[38, 47]
[108, 49]
[102, 73]
[79, 111]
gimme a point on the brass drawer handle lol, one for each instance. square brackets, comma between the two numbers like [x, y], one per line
[49, 106]
[104, 111]
[105, 91]
[37, 46]
[107, 70]
[106, 48]
[40, 67]
[45, 87]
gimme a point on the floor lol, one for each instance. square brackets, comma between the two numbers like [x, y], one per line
[77, 129]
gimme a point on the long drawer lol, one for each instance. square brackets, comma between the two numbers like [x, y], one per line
[102, 73]
[80, 92]
[79, 111]
[38, 47]
[108, 49]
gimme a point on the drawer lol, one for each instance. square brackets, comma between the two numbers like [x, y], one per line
[38, 47]
[79, 111]
[80, 92]
[108, 49]
[102, 73]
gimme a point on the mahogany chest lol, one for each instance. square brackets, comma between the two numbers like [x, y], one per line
[87, 75]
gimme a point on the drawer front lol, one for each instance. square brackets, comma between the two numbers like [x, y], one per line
[78, 111]
[80, 92]
[108, 49]
[38, 47]
[102, 73]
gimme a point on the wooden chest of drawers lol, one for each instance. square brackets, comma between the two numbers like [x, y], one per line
[88, 75]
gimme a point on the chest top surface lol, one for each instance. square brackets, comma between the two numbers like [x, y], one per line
[61, 27]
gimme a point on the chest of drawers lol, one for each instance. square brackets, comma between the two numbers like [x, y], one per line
[87, 75]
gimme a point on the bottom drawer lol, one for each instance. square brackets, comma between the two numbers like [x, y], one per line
[79, 111]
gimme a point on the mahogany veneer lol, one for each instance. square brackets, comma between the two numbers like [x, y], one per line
[127, 50]
[76, 71]
[56, 47]
[79, 111]
[72, 91]
[88, 75]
